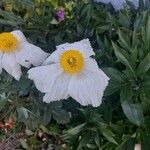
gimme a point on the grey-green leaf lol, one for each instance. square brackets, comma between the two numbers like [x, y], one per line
[144, 66]
[133, 112]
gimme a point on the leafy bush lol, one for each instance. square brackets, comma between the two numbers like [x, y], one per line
[121, 41]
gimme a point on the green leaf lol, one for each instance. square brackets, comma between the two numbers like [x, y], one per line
[24, 144]
[133, 112]
[146, 142]
[54, 21]
[97, 140]
[134, 54]
[10, 19]
[108, 135]
[61, 116]
[29, 132]
[144, 66]
[113, 87]
[127, 144]
[101, 29]
[54, 2]
[145, 103]
[124, 20]
[44, 129]
[126, 91]
[114, 74]
[74, 130]
[22, 112]
[134, 39]
[84, 140]
[122, 58]
[131, 143]
[91, 146]
[123, 41]
[144, 37]
[3, 101]
[47, 114]
[148, 31]
[145, 89]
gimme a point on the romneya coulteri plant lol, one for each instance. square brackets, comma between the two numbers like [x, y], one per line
[120, 39]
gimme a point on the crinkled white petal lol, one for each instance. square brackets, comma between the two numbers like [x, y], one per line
[11, 66]
[119, 4]
[1, 56]
[54, 57]
[88, 87]
[103, 1]
[59, 89]
[44, 76]
[91, 65]
[28, 54]
[19, 35]
[135, 3]
[83, 46]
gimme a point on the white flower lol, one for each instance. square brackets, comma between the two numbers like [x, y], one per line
[119, 4]
[15, 51]
[70, 72]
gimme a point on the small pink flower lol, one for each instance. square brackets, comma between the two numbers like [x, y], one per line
[60, 15]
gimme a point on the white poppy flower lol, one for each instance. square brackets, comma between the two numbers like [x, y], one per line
[70, 72]
[119, 4]
[16, 51]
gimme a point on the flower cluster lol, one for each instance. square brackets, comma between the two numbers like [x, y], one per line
[60, 15]
[68, 72]
[16, 51]
[6, 125]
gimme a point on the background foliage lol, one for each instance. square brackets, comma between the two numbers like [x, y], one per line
[121, 41]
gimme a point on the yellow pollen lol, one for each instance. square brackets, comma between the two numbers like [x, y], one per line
[8, 42]
[72, 61]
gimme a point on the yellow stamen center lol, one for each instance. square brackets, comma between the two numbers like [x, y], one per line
[8, 42]
[72, 61]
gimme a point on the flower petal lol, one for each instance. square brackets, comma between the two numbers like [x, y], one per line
[102, 1]
[118, 4]
[135, 3]
[88, 87]
[83, 46]
[11, 66]
[44, 76]
[30, 54]
[59, 89]
[91, 65]
[19, 35]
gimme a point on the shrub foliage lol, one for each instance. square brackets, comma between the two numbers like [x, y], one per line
[121, 41]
